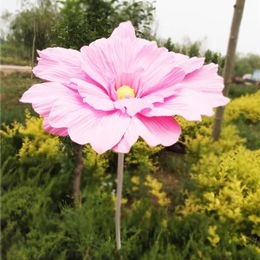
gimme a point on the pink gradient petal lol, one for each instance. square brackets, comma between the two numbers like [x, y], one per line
[196, 95]
[156, 63]
[205, 79]
[186, 63]
[94, 96]
[108, 60]
[43, 95]
[124, 30]
[59, 64]
[130, 137]
[189, 104]
[52, 130]
[133, 105]
[104, 133]
[157, 130]
[166, 87]
[102, 130]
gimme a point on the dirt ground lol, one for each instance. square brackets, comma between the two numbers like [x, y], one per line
[7, 69]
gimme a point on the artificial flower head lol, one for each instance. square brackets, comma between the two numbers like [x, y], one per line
[116, 90]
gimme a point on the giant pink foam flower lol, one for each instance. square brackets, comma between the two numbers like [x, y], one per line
[116, 90]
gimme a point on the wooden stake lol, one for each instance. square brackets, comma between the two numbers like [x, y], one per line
[77, 175]
[229, 63]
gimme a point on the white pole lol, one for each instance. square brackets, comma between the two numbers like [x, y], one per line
[120, 169]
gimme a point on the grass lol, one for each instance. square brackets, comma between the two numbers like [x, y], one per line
[12, 87]
[14, 61]
[238, 90]
[14, 55]
[249, 131]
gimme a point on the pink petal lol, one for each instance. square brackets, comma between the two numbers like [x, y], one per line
[124, 30]
[157, 130]
[166, 87]
[96, 65]
[117, 59]
[133, 105]
[186, 63]
[196, 95]
[43, 95]
[181, 65]
[205, 79]
[59, 64]
[129, 138]
[54, 131]
[156, 63]
[102, 130]
[104, 133]
[94, 96]
[190, 104]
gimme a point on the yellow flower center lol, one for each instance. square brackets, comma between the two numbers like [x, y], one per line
[125, 92]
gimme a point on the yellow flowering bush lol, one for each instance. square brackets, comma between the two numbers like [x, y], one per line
[228, 187]
[141, 158]
[155, 188]
[213, 236]
[246, 106]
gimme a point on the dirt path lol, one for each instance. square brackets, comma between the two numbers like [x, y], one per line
[7, 69]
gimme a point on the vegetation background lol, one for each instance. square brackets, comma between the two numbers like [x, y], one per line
[202, 203]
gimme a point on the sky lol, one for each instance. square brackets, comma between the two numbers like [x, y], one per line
[208, 21]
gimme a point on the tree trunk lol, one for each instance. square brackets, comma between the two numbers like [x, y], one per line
[33, 47]
[77, 175]
[229, 63]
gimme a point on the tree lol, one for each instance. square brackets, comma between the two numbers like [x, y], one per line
[83, 21]
[247, 64]
[34, 24]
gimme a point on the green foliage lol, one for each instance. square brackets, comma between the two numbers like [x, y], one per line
[236, 91]
[83, 21]
[247, 64]
[11, 54]
[33, 21]
[12, 87]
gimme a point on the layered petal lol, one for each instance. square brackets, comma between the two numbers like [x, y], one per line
[125, 30]
[94, 95]
[59, 65]
[102, 130]
[133, 106]
[167, 86]
[118, 58]
[205, 79]
[155, 131]
[52, 130]
[42, 96]
[189, 104]
[158, 130]
[129, 138]
[187, 64]
[196, 95]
